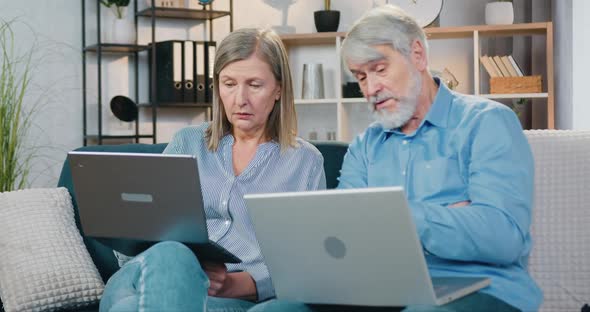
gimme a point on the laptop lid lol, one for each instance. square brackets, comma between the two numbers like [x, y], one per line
[352, 247]
[146, 197]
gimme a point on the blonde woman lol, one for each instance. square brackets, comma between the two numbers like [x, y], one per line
[249, 147]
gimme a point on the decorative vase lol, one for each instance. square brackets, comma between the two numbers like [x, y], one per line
[499, 13]
[326, 20]
[122, 31]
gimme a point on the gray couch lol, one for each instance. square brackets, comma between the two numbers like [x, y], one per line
[560, 259]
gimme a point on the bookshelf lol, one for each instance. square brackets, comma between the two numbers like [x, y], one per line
[345, 108]
[100, 49]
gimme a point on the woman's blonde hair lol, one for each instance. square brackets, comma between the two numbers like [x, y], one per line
[240, 45]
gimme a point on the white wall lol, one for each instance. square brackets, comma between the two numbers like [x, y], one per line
[580, 50]
[55, 90]
[562, 25]
[58, 23]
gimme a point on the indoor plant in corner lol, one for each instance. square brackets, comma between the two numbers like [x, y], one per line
[121, 30]
[15, 119]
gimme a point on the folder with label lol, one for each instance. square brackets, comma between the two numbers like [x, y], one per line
[184, 71]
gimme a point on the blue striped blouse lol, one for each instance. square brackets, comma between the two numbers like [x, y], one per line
[295, 169]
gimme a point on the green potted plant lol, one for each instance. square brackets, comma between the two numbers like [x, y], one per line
[121, 31]
[119, 7]
[15, 119]
[499, 12]
[326, 20]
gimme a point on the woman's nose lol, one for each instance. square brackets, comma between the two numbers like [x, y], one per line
[241, 96]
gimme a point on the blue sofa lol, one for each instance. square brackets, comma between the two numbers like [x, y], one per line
[104, 259]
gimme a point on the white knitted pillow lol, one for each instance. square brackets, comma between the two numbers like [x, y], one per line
[44, 264]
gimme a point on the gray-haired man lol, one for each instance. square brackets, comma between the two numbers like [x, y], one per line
[464, 162]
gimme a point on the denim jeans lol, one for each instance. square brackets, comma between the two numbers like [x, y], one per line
[166, 277]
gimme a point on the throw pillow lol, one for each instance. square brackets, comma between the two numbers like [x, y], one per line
[44, 264]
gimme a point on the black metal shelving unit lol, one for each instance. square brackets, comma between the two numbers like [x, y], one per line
[100, 48]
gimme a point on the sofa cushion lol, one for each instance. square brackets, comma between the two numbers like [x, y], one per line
[333, 153]
[44, 264]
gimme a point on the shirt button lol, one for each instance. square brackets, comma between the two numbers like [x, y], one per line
[224, 203]
[227, 222]
[404, 172]
[404, 142]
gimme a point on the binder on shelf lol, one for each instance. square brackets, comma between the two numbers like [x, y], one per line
[168, 71]
[184, 71]
[200, 57]
[189, 94]
[211, 48]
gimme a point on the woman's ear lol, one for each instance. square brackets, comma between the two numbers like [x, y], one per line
[278, 95]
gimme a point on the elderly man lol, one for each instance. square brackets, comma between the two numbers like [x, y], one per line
[464, 162]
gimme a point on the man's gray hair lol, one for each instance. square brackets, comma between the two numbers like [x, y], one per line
[384, 25]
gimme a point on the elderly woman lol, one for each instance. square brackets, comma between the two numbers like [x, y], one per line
[249, 147]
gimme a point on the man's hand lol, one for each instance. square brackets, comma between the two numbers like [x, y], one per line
[217, 273]
[229, 285]
[460, 204]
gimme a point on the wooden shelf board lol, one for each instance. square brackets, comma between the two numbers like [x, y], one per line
[181, 13]
[312, 38]
[354, 100]
[515, 96]
[432, 33]
[315, 101]
[487, 30]
[116, 48]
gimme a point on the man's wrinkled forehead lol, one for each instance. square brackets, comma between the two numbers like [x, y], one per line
[370, 56]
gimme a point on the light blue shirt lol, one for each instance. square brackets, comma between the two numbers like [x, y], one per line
[228, 222]
[467, 148]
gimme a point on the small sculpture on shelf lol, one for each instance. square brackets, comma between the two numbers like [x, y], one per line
[282, 5]
[326, 20]
[447, 77]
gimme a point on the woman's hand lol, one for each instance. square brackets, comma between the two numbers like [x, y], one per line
[217, 273]
[229, 285]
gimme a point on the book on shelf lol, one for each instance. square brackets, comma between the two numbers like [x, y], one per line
[509, 66]
[515, 65]
[485, 61]
[495, 66]
[501, 65]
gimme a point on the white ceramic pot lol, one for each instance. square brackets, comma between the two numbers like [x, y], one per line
[121, 30]
[499, 13]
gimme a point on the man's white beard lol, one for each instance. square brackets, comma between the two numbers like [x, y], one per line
[404, 109]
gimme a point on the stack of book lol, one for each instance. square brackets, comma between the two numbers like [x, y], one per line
[501, 66]
[507, 77]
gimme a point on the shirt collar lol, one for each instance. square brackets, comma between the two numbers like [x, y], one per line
[438, 114]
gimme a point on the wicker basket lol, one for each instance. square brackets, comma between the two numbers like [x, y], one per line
[526, 84]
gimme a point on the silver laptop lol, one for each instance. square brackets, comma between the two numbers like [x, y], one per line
[349, 247]
[132, 200]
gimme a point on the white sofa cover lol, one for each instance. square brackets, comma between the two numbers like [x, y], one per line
[560, 258]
